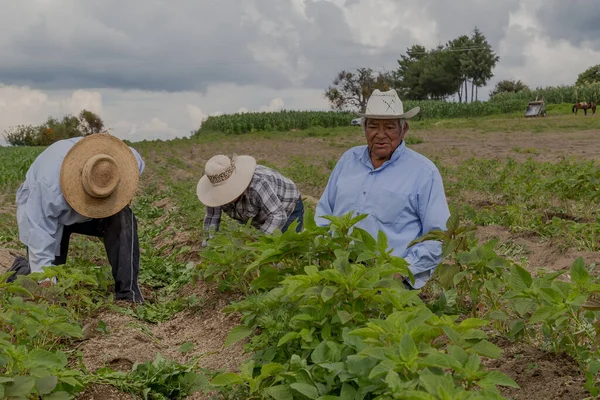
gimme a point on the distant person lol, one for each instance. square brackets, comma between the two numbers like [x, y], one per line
[401, 190]
[85, 186]
[244, 190]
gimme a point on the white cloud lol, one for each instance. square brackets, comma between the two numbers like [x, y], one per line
[275, 105]
[162, 79]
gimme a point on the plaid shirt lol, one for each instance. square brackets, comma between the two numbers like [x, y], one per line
[269, 200]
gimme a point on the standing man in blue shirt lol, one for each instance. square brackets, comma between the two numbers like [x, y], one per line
[401, 190]
[82, 185]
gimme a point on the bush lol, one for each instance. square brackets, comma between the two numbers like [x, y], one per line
[53, 130]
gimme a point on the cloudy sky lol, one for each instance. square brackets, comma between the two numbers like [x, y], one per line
[154, 69]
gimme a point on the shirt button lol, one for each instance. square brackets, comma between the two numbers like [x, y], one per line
[364, 192]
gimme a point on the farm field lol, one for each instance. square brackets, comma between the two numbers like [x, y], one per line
[532, 185]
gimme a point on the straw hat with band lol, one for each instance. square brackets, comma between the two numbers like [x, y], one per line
[225, 179]
[99, 176]
[387, 105]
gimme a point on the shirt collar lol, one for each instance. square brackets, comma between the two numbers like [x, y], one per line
[365, 158]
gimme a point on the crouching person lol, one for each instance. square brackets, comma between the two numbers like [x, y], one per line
[85, 186]
[244, 190]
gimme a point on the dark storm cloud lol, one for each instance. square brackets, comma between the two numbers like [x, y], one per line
[153, 45]
[574, 21]
[190, 45]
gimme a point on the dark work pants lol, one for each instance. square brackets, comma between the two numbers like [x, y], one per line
[297, 214]
[120, 236]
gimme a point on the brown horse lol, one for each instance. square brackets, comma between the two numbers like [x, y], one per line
[584, 106]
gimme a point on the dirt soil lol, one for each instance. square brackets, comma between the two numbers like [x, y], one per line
[7, 257]
[540, 254]
[541, 375]
[131, 340]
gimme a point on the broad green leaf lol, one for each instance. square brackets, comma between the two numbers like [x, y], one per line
[487, 349]
[47, 384]
[326, 352]
[408, 349]
[498, 315]
[579, 273]
[271, 369]
[186, 347]
[39, 357]
[541, 314]
[227, 379]
[473, 323]
[236, 334]
[58, 396]
[287, 337]
[520, 279]
[312, 271]
[21, 386]
[280, 392]
[348, 392]
[459, 277]
[365, 255]
[308, 390]
[497, 378]
[327, 293]
[19, 290]
[382, 242]
[67, 329]
[344, 316]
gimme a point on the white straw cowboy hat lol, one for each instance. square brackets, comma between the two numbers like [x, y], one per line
[387, 105]
[225, 179]
[99, 176]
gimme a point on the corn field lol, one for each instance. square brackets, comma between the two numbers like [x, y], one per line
[14, 165]
[554, 94]
[287, 120]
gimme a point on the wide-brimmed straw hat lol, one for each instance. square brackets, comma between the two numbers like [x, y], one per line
[387, 105]
[225, 179]
[99, 176]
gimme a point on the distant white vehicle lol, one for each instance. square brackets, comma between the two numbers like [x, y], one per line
[356, 122]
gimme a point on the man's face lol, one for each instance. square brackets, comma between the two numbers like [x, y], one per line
[383, 136]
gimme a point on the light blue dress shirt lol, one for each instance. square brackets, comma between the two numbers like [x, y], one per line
[42, 211]
[404, 198]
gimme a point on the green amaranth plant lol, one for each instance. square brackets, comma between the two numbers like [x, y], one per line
[349, 328]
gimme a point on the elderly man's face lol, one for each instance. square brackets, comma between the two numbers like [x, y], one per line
[383, 136]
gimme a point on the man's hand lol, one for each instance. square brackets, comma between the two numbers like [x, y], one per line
[398, 276]
[46, 283]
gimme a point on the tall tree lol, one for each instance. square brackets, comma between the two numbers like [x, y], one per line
[507, 86]
[590, 75]
[408, 74]
[479, 61]
[352, 90]
[90, 123]
[458, 48]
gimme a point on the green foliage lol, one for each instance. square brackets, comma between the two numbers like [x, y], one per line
[351, 91]
[328, 318]
[554, 94]
[555, 200]
[590, 75]
[508, 86]
[53, 130]
[274, 121]
[156, 380]
[14, 165]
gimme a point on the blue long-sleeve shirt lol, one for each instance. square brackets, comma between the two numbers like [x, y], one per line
[42, 210]
[404, 198]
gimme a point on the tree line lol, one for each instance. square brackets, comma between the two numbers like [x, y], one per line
[85, 123]
[458, 68]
